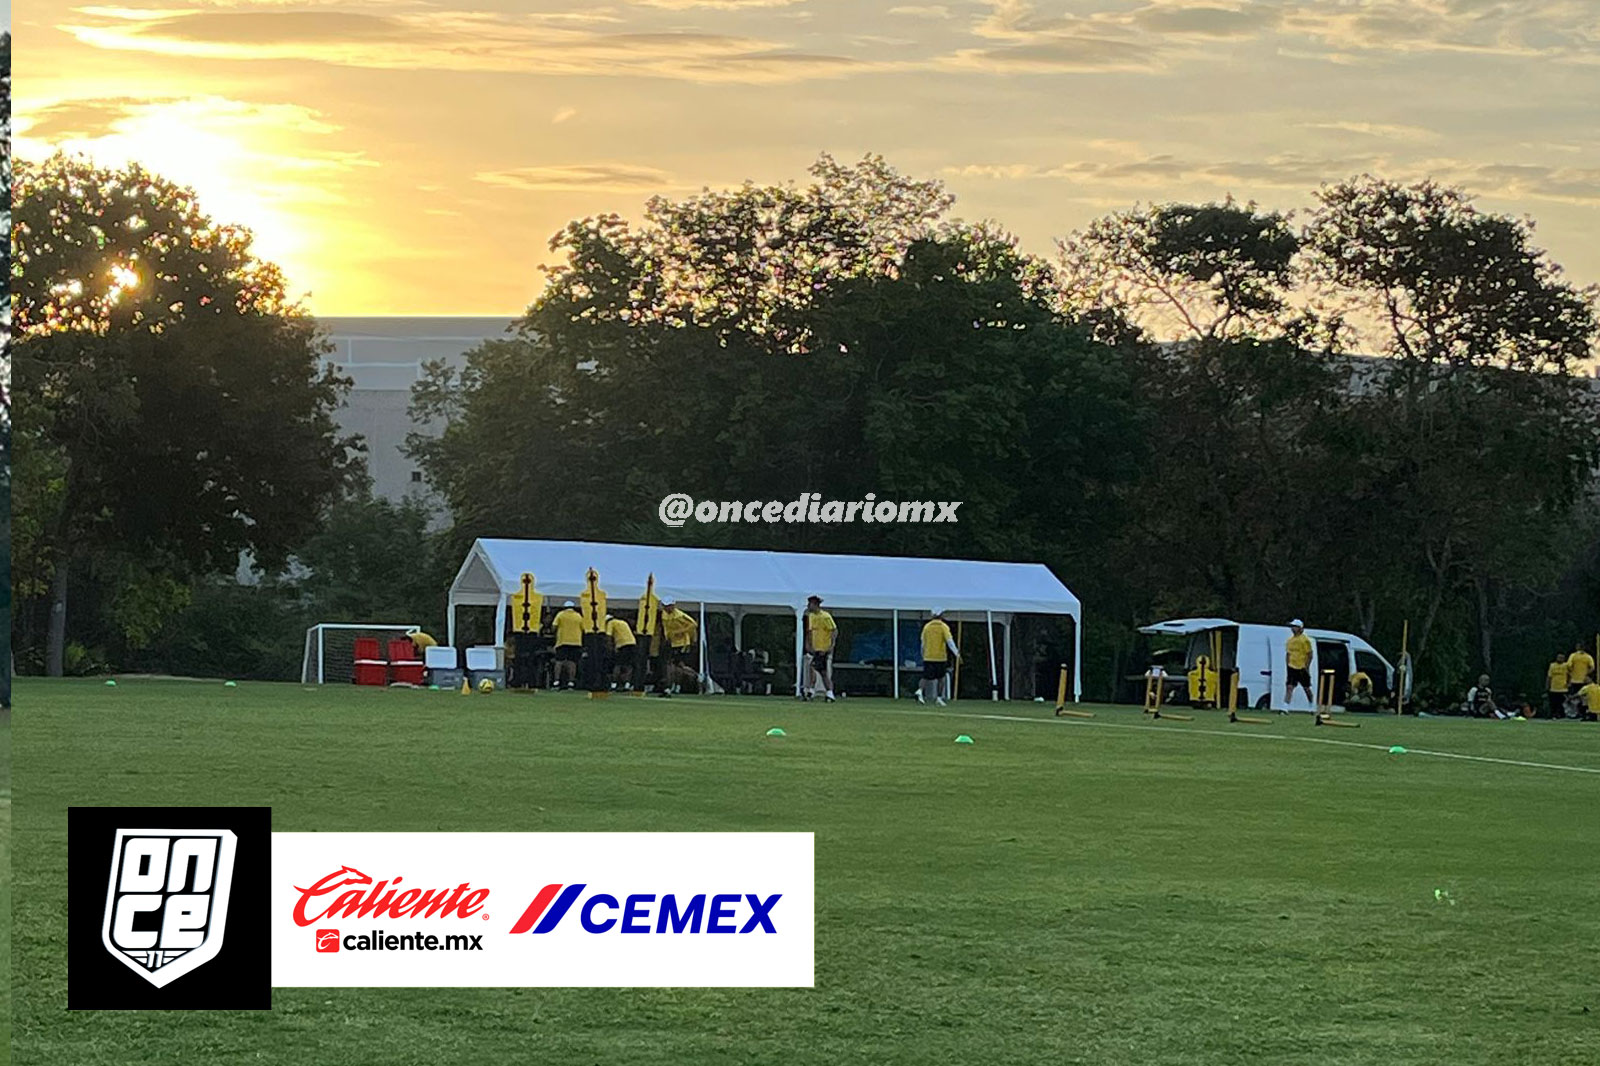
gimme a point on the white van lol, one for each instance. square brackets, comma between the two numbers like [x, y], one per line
[1257, 653]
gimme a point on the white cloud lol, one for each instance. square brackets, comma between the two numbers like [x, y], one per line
[588, 177]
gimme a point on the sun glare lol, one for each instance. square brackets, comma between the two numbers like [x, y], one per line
[237, 174]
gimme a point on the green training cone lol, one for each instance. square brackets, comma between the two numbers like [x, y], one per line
[230, 684]
[1397, 750]
[433, 688]
[776, 732]
[111, 683]
[963, 739]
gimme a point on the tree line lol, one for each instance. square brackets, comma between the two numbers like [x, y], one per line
[1368, 413]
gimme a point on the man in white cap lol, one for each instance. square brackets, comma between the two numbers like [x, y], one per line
[568, 624]
[938, 648]
[678, 628]
[1297, 657]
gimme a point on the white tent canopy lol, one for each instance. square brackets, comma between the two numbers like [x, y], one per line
[763, 582]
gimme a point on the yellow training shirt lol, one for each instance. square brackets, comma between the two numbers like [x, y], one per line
[1590, 694]
[678, 628]
[1580, 666]
[820, 625]
[569, 628]
[620, 632]
[422, 642]
[934, 637]
[1299, 651]
[1556, 676]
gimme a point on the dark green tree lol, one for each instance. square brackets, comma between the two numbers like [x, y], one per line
[180, 414]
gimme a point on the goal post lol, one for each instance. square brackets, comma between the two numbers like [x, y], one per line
[330, 649]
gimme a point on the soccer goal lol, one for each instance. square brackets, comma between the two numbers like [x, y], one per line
[331, 649]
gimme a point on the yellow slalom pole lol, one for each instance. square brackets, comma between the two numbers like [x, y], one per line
[1061, 689]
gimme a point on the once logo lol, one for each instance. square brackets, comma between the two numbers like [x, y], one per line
[363, 899]
[167, 903]
[327, 940]
[645, 912]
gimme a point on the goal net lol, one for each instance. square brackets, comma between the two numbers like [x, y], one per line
[330, 654]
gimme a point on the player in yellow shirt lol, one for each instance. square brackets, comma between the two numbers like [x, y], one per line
[1589, 701]
[1580, 668]
[679, 629]
[422, 642]
[938, 648]
[820, 633]
[1555, 678]
[568, 624]
[1297, 657]
[624, 648]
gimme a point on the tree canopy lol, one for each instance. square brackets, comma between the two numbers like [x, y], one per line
[179, 413]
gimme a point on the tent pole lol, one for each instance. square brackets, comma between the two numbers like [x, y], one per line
[994, 684]
[450, 622]
[738, 629]
[1077, 656]
[703, 684]
[799, 653]
[500, 607]
[952, 680]
[894, 620]
[1006, 651]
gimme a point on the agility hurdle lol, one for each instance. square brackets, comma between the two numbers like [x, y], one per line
[1153, 690]
[1325, 693]
[1329, 720]
[1169, 716]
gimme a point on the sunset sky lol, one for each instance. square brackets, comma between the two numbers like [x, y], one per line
[402, 157]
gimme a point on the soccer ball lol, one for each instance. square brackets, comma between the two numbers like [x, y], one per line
[486, 686]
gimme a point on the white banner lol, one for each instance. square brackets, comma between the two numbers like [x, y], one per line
[454, 910]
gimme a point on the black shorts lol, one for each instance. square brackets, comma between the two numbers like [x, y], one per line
[1558, 704]
[820, 661]
[625, 655]
[569, 653]
[683, 656]
[934, 671]
[1299, 675]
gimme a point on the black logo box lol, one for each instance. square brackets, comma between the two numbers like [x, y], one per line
[239, 978]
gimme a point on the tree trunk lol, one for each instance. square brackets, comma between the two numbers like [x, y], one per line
[1485, 639]
[1440, 565]
[56, 642]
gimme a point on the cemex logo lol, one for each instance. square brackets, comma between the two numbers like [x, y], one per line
[645, 912]
[168, 891]
[361, 898]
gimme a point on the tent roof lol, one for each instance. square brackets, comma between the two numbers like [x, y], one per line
[762, 579]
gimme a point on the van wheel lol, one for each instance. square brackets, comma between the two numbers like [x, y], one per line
[1264, 703]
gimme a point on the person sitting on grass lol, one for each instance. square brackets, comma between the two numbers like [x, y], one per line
[1589, 701]
[1361, 696]
[1480, 700]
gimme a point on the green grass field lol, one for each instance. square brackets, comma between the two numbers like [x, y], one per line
[1112, 891]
